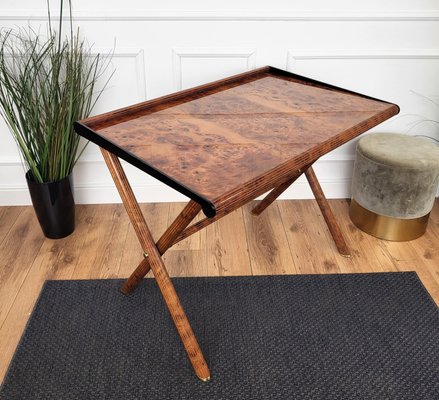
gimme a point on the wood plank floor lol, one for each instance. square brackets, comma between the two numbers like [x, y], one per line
[290, 237]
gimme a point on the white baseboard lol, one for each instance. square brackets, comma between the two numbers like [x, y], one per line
[93, 184]
[158, 193]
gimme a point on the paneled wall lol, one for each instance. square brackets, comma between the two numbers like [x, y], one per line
[388, 49]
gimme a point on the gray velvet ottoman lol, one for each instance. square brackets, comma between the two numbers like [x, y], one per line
[394, 185]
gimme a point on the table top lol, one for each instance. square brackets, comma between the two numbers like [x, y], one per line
[237, 137]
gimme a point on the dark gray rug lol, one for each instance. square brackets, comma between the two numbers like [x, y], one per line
[368, 336]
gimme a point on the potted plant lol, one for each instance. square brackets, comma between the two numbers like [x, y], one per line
[46, 83]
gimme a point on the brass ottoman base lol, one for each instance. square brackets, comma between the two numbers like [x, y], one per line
[388, 228]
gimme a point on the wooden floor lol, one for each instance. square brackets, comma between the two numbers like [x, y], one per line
[290, 237]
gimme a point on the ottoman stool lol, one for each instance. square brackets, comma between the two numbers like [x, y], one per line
[394, 185]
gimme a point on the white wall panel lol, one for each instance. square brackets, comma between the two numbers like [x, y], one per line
[213, 63]
[392, 75]
[387, 49]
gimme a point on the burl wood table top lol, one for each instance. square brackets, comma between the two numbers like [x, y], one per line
[237, 137]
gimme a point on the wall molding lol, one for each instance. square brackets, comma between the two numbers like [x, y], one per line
[17, 195]
[137, 54]
[294, 55]
[227, 15]
[139, 59]
[178, 54]
[16, 161]
[150, 190]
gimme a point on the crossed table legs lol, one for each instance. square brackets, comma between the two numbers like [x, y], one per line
[179, 230]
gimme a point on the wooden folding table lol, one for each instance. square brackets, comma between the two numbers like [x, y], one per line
[222, 145]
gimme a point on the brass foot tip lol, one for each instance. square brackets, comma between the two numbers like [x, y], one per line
[205, 379]
[124, 291]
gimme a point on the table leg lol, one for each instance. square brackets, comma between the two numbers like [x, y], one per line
[333, 227]
[158, 268]
[165, 242]
[275, 193]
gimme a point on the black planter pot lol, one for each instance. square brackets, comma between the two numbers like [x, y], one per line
[54, 205]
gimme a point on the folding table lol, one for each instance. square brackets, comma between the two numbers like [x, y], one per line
[222, 145]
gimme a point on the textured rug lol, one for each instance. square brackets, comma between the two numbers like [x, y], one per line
[355, 336]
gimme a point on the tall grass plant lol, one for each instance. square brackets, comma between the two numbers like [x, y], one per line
[46, 83]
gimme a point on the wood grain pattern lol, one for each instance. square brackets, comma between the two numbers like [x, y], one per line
[157, 266]
[18, 249]
[227, 251]
[307, 234]
[8, 216]
[238, 137]
[187, 257]
[268, 244]
[164, 243]
[106, 259]
[275, 193]
[331, 222]
[429, 251]
[226, 254]
[366, 254]
[184, 262]
[184, 212]
[407, 256]
[157, 216]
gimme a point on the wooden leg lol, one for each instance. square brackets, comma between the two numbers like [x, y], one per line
[158, 268]
[164, 243]
[275, 193]
[327, 213]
